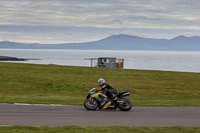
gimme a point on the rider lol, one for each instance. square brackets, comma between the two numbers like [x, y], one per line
[107, 89]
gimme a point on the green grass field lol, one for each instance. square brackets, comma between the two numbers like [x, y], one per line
[50, 84]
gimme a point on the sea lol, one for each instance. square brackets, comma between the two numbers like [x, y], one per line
[181, 61]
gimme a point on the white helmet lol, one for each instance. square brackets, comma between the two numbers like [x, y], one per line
[101, 81]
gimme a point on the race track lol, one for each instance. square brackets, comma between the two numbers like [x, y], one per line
[53, 115]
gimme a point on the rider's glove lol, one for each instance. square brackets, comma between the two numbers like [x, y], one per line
[99, 89]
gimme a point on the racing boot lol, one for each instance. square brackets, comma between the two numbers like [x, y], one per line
[114, 97]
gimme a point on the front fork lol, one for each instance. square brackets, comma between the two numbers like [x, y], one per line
[91, 99]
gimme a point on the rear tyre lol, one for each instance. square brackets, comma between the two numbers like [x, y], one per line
[91, 105]
[126, 106]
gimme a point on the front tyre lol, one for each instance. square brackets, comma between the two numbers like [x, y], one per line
[91, 104]
[126, 105]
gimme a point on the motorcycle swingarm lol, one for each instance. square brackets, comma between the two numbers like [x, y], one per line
[120, 101]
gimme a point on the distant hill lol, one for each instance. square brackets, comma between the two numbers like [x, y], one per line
[119, 42]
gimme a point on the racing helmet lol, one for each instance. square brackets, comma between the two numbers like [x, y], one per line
[101, 81]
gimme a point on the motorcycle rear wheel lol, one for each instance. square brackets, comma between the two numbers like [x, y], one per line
[126, 106]
[91, 105]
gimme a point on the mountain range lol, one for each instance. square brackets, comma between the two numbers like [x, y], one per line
[119, 42]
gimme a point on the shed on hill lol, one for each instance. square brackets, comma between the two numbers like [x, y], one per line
[109, 62]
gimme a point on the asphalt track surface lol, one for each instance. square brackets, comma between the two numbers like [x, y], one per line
[58, 115]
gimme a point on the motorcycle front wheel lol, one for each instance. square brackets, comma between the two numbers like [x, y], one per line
[91, 104]
[126, 105]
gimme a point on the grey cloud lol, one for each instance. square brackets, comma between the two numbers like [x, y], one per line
[94, 16]
[96, 13]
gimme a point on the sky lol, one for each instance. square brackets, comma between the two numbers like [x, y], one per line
[76, 21]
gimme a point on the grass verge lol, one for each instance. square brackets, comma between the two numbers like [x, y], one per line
[111, 129]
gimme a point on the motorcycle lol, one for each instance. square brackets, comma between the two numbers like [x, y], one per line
[92, 103]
